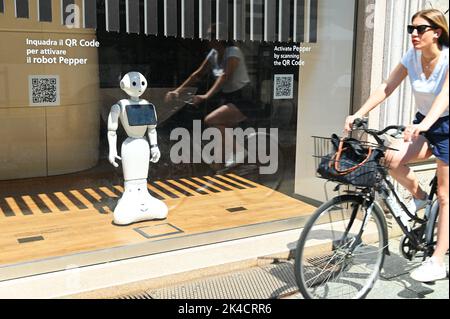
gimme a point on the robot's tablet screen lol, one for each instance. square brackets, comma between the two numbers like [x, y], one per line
[139, 115]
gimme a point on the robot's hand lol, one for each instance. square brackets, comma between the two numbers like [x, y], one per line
[155, 154]
[112, 159]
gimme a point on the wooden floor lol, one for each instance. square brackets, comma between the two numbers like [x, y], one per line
[50, 217]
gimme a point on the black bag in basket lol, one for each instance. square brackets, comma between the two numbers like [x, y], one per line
[351, 163]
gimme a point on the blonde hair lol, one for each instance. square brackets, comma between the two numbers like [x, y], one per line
[437, 20]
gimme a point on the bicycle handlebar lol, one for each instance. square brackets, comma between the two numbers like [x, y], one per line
[189, 100]
[186, 99]
[363, 123]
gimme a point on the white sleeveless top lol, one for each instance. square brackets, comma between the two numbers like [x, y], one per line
[239, 77]
[426, 90]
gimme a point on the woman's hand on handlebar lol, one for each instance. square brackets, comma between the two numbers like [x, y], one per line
[198, 99]
[348, 126]
[413, 131]
[171, 96]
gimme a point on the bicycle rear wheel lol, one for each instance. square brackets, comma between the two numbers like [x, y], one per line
[336, 258]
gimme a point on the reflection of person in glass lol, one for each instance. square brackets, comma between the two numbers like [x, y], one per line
[232, 85]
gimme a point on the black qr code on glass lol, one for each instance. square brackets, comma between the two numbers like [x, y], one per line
[283, 86]
[44, 90]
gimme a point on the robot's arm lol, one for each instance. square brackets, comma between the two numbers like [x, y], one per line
[113, 124]
[155, 154]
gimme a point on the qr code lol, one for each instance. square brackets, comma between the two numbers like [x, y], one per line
[283, 86]
[44, 90]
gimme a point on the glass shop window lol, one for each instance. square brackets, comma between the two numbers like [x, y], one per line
[236, 87]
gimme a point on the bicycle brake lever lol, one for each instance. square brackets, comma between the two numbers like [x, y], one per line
[190, 99]
[398, 133]
[361, 123]
[391, 149]
[396, 136]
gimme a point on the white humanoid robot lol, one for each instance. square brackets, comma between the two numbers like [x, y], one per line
[137, 117]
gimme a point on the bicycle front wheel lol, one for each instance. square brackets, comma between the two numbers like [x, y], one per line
[337, 256]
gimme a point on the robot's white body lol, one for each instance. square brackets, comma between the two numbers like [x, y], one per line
[137, 117]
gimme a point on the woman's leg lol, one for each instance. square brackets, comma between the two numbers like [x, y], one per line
[443, 223]
[226, 116]
[407, 153]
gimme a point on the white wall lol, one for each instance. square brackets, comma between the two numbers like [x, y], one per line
[324, 89]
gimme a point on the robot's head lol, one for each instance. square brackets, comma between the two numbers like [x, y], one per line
[134, 84]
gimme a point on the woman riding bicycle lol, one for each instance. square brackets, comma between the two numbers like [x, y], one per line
[426, 64]
[232, 84]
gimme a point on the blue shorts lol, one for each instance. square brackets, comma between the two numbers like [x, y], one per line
[437, 136]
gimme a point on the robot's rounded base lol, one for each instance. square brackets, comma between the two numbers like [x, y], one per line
[138, 205]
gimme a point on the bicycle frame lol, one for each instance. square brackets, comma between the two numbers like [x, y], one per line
[431, 213]
[426, 227]
[421, 237]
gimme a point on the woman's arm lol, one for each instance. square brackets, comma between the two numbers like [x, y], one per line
[438, 107]
[192, 79]
[195, 76]
[231, 65]
[379, 95]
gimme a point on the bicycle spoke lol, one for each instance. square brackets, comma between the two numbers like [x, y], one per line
[342, 259]
[332, 270]
[323, 271]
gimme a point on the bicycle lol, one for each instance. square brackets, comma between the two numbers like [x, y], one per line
[341, 250]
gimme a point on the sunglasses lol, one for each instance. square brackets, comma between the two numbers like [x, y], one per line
[421, 29]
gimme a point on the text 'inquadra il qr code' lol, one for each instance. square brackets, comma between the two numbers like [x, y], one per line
[283, 86]
[44, 90]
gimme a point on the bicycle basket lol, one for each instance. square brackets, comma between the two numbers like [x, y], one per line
[348, 161]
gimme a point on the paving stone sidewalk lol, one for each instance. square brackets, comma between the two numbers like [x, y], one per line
[277, 280]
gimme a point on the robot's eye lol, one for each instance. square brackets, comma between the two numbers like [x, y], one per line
[143, 83]
[134, 83]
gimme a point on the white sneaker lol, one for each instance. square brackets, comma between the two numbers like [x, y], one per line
[235, 159]
[414, 205]
[429, 271]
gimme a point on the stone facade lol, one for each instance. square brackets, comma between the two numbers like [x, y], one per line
[381, 42]
[439, 4]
